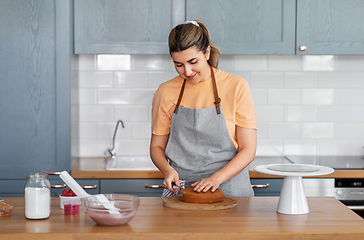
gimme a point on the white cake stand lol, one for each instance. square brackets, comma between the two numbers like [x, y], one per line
[293, 198]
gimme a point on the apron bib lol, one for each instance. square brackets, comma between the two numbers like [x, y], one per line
[199, 145]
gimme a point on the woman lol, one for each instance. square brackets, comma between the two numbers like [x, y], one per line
[203, 121]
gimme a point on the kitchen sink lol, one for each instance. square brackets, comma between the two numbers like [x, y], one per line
[130, 163]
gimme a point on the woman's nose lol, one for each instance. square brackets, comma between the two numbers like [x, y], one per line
[188, 70]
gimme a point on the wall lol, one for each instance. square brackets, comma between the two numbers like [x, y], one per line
[306, 105]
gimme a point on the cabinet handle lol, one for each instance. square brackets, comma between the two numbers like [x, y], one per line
[303, 48]
[261, 186]
[154, 186]
[58, 186]
[89, 187]
[52, 173]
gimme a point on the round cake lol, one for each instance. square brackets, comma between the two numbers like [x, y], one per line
[191, 196]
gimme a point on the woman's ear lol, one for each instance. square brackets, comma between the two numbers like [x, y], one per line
[207, 54]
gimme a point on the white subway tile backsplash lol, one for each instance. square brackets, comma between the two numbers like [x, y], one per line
[358, 113]
[349, 96]
[335, 79]
[350, 62]
[267, 147]
[251, 62]
[132, 113]
[317, 96]
[318, 63]
[333, 147]
[270, 113]
[157, 78]
[114, 96]
[301, 80]
[260, 96]
[267, 80]
[306, 105]
[334, 113]
[300, 147]
[88, 130]
[87, 96]
[300, 114]
[95, 79]
[113, 62]
[284, 130]
[142, 96]
[284, 96]
[131, 79]
[95, 113]
[285, 63]
[317, 130]
[142, 62]
[141, 130]
[353, 130]
[358, 79]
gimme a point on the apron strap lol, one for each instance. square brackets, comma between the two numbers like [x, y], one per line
[216, 95]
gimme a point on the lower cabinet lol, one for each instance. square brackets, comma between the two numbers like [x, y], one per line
[133, 186]
[15, 188]
[273, 190]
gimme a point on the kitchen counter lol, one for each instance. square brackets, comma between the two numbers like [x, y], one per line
[88, 168]
[253, 218]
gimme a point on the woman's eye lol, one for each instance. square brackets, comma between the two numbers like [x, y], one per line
[178, 65]
[194, 62]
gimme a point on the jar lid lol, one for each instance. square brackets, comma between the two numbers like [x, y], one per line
[37, 176]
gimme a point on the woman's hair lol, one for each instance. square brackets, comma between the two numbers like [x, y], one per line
[193, 34]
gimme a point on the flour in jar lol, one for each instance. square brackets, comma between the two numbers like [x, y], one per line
[37, 202]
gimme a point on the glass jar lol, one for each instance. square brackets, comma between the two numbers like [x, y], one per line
[37, 196]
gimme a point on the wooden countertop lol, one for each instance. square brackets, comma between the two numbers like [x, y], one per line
[88, 168]
[254, 218]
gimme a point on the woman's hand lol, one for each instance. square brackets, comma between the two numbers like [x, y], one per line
[170, 177]
[206, 184]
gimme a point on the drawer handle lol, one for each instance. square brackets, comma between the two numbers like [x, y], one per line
[52, 173]
[89, 187]
[261, 186]
[303, 48]
[58, 186]
[154, 186]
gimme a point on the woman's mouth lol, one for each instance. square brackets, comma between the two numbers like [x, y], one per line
[191, 76]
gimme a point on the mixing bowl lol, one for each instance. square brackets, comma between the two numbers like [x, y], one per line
[126, 208]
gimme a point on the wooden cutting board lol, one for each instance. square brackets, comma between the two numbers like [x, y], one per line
[175, 202]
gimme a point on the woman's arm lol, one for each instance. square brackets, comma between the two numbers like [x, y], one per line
[247, 142]
[158, 145]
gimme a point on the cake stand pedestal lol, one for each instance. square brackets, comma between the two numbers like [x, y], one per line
[293, 197]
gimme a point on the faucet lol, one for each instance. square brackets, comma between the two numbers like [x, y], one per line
[112, 150]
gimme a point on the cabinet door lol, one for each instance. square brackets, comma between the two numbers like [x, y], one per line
[124, 26]
[330, 26]
[35, 52]
[274, 188]
[247, 27]
[132, 186]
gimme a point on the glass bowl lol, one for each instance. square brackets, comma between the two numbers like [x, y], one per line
[126, 205]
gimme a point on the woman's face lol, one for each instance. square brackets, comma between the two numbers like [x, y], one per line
[191, 64]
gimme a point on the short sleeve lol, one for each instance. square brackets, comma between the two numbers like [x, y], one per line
[245, 112]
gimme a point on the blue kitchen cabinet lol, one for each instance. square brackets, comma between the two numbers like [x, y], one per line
[330, 27]
[274, 189]
[15, 188]
[124, 26]
[132, 186]
[247, 27]
[36, 45]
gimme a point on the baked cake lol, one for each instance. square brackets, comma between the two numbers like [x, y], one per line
[191, 196]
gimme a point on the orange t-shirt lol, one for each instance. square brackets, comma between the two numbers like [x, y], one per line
[236, 102]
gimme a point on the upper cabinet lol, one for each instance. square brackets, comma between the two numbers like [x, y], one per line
[236, 26]
[330, 27]
[124, 26]
[247, 27]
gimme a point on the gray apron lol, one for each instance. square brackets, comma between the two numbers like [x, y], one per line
[199, 145]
